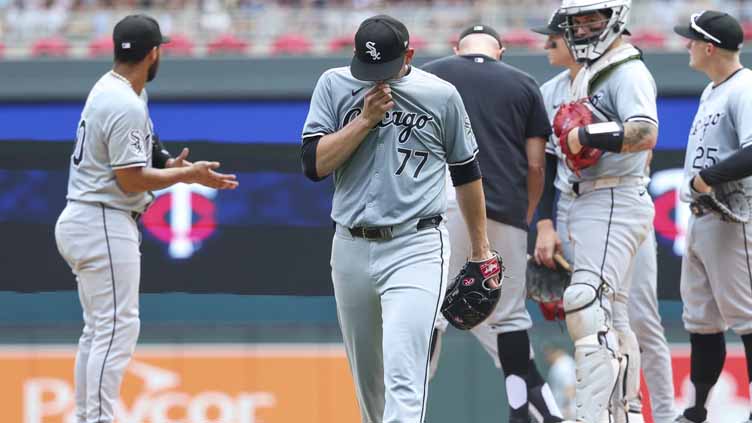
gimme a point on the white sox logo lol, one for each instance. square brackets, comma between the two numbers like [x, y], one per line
[396, 118]
[371, 46]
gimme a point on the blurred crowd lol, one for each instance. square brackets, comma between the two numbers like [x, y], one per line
[260, 27]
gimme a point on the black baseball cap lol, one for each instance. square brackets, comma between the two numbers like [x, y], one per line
[135, 35]
[380, 44]
[480, 29]
[718, 28]
[554, 26]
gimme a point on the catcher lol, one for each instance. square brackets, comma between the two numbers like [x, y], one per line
[606, 131]
[716, 276]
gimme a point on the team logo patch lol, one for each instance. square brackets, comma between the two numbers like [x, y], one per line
[371, 46]
[468, 126]
[468, 281]
[136, 141]
[597, 98]
[489, 268]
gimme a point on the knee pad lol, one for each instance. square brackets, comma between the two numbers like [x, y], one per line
[584, 315]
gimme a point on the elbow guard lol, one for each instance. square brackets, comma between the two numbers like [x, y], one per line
[159, 154]
[466, 173]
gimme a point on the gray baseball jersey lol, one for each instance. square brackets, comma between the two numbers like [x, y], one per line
[388, 291]
[643, 301]
[628, 94]
[98, 237]
[114, 133]
[715, 268]
[555, 93]
[398, 171]
[606, 227]
[721, 126]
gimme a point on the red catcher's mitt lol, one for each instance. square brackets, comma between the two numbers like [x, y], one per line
[570, 117]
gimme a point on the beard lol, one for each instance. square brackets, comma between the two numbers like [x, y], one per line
[152, 73]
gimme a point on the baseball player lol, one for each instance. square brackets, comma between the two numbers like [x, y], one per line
[114, 166]
[611, 214]
[644, 317]
[387, 131]
[511, 126]
[716, 281]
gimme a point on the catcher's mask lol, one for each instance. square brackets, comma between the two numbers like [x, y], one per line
[608, 23]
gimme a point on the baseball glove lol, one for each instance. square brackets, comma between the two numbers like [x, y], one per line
[546, 286]
[728, 200]
[570, 117]
[469, 300]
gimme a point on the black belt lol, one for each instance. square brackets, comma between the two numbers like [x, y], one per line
[385, 232]
[576, 188]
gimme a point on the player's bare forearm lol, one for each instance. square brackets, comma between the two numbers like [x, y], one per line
[472, 203]
[536, 173]
[639, 136]
[141, 179]
[334, 149]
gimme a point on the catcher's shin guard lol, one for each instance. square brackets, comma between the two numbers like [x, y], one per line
[597, 366]
[627, 405]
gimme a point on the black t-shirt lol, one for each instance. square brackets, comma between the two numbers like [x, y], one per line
[505, 108]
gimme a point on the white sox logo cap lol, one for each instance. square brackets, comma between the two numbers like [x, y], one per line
[380, 45]
[718, 28]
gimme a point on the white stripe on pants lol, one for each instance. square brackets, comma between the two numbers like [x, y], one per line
[101, 246]
[388, 294]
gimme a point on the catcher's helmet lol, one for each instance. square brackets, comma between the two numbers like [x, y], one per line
[591, 47]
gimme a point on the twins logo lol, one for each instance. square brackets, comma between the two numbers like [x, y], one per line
[182, 217]
[371, 46]
[671, 214]
[408, 121]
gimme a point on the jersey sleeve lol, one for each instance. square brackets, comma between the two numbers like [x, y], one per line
[538, 124]
[459, 139]
[127, 140]
[636, 96]
[321, 119]
[742, 117]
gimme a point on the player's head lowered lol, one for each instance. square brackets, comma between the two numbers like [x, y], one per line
[479, 39]
[712, 38]
[382, 50]
[137, 39]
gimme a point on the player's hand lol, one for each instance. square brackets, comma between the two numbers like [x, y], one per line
[203, 173]
[482, 254]
[378, 101]
[179, 161]
[699, 185]
[547, 243]
[573, 140]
